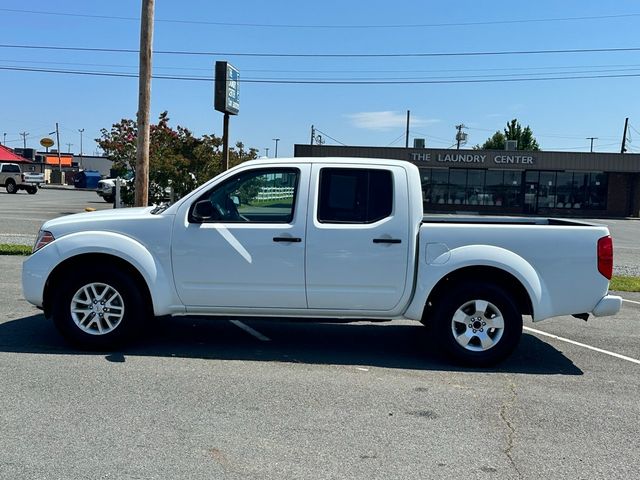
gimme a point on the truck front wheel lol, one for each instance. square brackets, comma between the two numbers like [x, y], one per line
[11, 186]
[99, 309]
[477, 324]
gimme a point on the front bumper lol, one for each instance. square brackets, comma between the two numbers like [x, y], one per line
[608, 305]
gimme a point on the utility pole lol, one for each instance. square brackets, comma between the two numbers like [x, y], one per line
[406, 140]
[460, 137]
[58, 149]
[144, 104]
[4, 138]
[276, 140]
[623, 148]
[267, 151]
[69, 145]
[592, 139]
[24, 138]
[313, 134]
[81, 130]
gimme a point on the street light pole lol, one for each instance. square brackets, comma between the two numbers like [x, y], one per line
[276, 140]
[267, 150]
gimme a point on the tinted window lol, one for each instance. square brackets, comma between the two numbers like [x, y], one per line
[256, 196]
[11, 168]
[354, 195]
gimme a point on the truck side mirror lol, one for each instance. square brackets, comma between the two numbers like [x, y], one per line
[202, 211]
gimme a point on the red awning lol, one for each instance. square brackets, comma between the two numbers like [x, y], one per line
[7, 155]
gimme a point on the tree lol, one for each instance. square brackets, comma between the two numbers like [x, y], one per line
[514, 131]
[177, 158]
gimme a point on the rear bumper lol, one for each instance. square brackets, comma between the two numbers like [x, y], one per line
[608, 305]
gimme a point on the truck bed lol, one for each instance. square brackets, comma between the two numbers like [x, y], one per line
[501, 220]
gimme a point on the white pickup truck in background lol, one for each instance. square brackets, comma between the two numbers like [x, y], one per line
[318, 238]
[13, 179]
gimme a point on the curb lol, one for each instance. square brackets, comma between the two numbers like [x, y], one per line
[66, 187]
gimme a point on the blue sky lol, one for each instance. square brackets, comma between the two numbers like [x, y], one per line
[562, 113]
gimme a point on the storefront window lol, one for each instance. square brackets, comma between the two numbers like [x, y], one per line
[547, 190]
[494, 188]
[512, 197]
[572, 190]
[475, 187]
[504, 189]
[439, 186]
[457, 185]
[565, 196]
[597, 199]
[425, 178]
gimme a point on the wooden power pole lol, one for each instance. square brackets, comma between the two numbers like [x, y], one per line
[623, 148]
[144, 104]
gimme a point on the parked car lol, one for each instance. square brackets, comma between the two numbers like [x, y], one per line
[107, 187]
[313, 238]
[13, 179]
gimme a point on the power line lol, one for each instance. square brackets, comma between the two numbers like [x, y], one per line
[329, 136]
[398, 138]
[330, 55]
[327, 26]
[322, 82]
[332, 71]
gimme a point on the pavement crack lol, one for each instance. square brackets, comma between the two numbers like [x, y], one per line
[511, 431]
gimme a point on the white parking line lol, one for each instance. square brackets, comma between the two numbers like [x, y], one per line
[630, 301]
[573, 342]
[250, 330]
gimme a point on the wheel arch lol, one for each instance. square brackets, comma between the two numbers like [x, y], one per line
[81, 261]
[512, 285]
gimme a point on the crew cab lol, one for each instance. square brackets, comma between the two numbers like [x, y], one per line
[13, 179]
[318, 238]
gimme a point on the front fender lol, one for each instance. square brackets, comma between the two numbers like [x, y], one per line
[156, 273]
[433, 268]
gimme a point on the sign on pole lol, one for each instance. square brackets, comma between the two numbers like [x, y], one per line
[226, 99]
[226, 90]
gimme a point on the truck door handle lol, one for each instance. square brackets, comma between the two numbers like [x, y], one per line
[287, 239]
[387, 240]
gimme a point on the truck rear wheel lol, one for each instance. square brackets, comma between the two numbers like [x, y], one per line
[11, 186]
[99, 309]
[477, 324]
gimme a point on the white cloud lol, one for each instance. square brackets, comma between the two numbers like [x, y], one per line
[386, 120]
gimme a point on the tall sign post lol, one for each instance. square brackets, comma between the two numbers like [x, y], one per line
[226, 96]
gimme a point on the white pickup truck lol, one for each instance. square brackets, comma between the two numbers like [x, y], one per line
[13, 179]
[313, 238]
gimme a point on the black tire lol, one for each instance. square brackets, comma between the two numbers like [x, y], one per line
[125, 326]
[479, 305]
[11, 186]
[32, 190]
[108, 199]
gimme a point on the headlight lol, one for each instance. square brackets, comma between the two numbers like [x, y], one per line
[44, 238]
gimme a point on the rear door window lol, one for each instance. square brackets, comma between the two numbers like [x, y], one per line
[353, 195]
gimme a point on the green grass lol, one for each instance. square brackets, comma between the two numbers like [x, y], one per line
[625, 284]
[11, 249]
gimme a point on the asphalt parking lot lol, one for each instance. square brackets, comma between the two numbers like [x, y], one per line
[199, 398]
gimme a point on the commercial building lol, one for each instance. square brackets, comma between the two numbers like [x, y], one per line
[514, 182]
